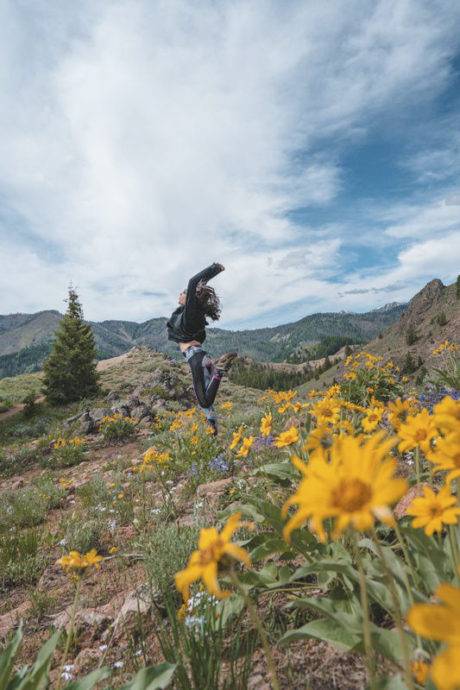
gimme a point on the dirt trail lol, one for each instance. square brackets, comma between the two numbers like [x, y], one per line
[18, 408]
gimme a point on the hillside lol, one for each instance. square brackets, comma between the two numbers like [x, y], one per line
[25, 339]
[102, 503]
[431, 317]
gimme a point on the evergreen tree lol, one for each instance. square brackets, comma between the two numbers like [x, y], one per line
[70, 370]
[458, 287]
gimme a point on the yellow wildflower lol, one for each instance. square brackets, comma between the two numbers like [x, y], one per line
[287, 438]
[398, 411]
[236, 438]
[350, 376]
[203, 563]
[321, 437]
[227, 405]
[194, 440]
[113, 549]
[176, 424]
[431, 511]
[266, 424]
[245, 447]
[76, 561]
[326, 410]
[372, 419]
[420, 670]
[441, 622]
[446, 455]
[417, 432]
[447, 414]
[355, 486]
[154, 455]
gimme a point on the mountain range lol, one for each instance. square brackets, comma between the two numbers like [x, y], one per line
[25, 339]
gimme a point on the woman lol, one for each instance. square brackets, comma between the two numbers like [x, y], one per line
[187, 327]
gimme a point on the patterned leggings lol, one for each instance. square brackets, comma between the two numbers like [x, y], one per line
[206, 379]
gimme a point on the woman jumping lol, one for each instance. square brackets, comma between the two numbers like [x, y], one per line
[186, 326]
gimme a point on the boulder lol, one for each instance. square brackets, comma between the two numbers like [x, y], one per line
[112, 397]
[99, 413]
[140, 411]
[214, 488]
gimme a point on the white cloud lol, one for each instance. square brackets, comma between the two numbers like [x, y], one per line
[143, 140]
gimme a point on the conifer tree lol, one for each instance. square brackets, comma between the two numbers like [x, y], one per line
[70, 370]
[458, 287]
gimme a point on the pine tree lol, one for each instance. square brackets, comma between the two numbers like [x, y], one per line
[70, 370]
[458, 287]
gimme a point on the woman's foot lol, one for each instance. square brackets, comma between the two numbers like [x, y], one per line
[213, 424]
[225, 361]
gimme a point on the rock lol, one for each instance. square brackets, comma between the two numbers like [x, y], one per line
[133, 401]
[112, 397]
[140, 411]
[137, 603]
[71, 420]
[16, 483]
[99, 413]
[406, 500]
[95, 620]
[121, 408]
[86, 424]
[214, 488]
[11, 619]
[87, 659]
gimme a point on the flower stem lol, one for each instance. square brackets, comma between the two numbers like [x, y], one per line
[366, 621]
[70, 634]
[417, 464]
[397, 613]
[260, 629]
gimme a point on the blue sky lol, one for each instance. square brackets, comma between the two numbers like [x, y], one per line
[312, 148]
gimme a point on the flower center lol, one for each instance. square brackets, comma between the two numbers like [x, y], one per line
[211, 553]
[351, 495]
[420, 435]
[435, 510]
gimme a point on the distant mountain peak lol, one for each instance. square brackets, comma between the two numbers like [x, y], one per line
[389, 306]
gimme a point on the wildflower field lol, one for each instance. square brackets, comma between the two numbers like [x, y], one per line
[313, 544]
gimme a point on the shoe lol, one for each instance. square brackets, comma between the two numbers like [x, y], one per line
[213, 424]
[225, 361]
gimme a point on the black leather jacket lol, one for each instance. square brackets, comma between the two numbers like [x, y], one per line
[188, 321]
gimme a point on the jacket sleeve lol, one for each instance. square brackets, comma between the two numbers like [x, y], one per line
[191, 303]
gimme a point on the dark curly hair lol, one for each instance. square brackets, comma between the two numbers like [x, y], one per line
[208, 300]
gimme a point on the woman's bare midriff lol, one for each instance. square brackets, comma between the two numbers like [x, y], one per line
[185, 346]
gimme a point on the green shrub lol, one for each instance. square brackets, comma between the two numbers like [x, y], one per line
[411, 335]
[441, 318]
[67, 456]
[83, 535]
[166, 550]
[5, 404]
[16, 460]
[118, 428]
[28, 507]
[22, 557]
[30, 406]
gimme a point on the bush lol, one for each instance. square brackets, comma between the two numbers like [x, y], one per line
[5, 404]
[30, 406]
[166, 550]
[28, 507]
[22, 558]
[117, 427]
[411, 335]
[16, 460]
[84, 535]
[66, 456]
[441, 318]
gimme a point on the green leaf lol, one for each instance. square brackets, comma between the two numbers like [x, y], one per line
[89, 681]
[36, 678]
[152, 678]
[8, 656]
[283, 472]
[323, 629]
